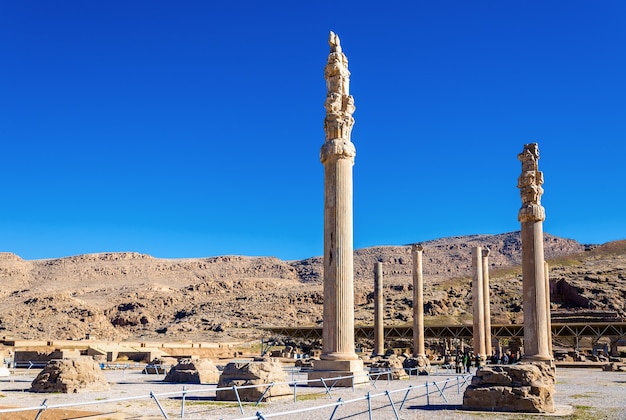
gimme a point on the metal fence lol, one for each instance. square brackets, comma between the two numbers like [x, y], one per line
[437, 388]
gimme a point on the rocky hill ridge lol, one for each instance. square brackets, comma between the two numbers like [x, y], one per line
[118, 295]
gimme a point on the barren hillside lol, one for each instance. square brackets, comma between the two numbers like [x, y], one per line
[124, 295]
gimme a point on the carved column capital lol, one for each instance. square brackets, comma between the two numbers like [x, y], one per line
[529, 183]
[339, 103]
[417, 247]
[531, 213]
[337, 149]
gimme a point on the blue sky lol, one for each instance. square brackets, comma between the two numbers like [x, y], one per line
[193, 128]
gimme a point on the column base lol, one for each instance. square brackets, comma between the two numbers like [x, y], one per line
[538, 358]
[329, 369]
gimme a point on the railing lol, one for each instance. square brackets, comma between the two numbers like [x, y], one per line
[328, 384]
[594, 330]
[28, 364]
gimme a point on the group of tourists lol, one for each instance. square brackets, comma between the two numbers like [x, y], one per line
[464, 360]
[506, 358]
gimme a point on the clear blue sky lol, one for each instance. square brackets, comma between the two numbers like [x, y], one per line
[193, 128]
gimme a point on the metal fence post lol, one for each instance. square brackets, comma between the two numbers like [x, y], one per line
[238, 399]
[441, 390]
[158, 404]
[327, 390]
[264, 392]
[182, 406]
[339, 402]
[42, 409]
[393, 407]
[406, 396]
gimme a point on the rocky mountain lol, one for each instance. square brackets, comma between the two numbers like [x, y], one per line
[131, 295]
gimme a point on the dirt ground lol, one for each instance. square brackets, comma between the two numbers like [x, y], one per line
[587, 393]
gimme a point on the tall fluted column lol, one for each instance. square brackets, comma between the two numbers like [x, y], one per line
[487, 303]
[531, 215]
[337, 155]
[547, 274]
[478, 305]
[379, 327]
[418, 302]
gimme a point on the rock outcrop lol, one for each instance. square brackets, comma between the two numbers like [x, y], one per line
[70, 376]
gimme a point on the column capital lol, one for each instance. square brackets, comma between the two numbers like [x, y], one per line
[339, 103]
[337, 149]
[486, 252]
[529, 183]
[531, 213]
[417, 247]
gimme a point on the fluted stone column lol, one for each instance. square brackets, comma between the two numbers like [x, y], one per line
[478, 304]
[547, 274]
[487, 303]
[418, 302]
[531, 215]
[379, 327]
[337, 155]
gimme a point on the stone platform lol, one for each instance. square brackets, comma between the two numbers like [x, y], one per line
[328, 369]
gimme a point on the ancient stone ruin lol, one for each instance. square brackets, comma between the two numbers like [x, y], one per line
[419, 351]
[528, 386]
[417, 365]
[193, 371]
[379, 308]
[337, 155]
[393, 364]
[74, 375]
[252, 373]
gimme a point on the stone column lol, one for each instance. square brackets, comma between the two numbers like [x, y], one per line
[337, 155]
[531, 215]
[486, 302]
[379, 327]
[418, 302]
[478, 304]
[547, 274]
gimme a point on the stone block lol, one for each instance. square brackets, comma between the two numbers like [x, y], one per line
[328, 369]
[70, 376]
[526, 388]
[193, 371]
[252, 373]
[394, 364]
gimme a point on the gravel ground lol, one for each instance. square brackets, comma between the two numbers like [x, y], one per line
[581, 394]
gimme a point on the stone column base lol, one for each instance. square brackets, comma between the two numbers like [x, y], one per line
[329, 369]
[523, 388]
